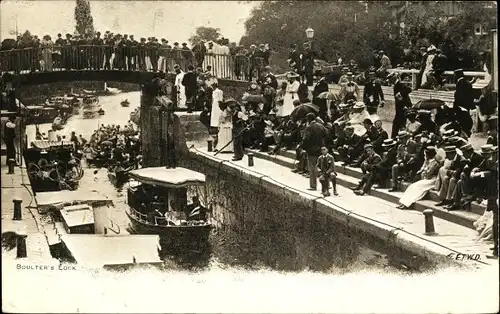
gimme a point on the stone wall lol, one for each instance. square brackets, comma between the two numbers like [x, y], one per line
[311, 229]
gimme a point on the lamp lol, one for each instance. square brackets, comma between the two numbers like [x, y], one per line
[309, 33]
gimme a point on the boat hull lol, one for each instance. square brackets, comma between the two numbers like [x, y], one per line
[172, 236]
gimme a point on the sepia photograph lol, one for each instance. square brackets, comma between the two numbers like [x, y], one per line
[249, 156]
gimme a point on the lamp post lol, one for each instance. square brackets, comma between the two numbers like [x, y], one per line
[310, 35]
[309, 66]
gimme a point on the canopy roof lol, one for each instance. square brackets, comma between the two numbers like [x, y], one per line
[41, 144]
[78, 215]
[170, 178]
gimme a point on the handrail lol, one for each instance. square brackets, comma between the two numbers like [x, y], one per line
[113, 223]
[415, 71]
[130, 58]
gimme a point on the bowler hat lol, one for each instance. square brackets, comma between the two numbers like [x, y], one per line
[488, 149]
[411, 112]
[430, 149]
[423, 112]
[349, 74]
[450, 133]
[368, 146]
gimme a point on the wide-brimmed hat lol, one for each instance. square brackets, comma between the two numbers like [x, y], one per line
[268, 123]
[292, 75]
[429, 149]
[423, 112]
[368, 146]
[359, 105]
[349, 74]
[431, 48]
[466, 147]
[389, 142]
[345, 69]
[411, 112]
[488, 149]
[231, 101]
[449, 149]
[402, 134]
[344, 106]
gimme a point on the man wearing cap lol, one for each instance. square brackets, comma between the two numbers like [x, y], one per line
[349, 90]
[190, 86]
[406, 159]
[314, 139]
[373, 96]
[367, 166]
[450, 176]
[97, 52]
[382, 171]
[187, 56]
[402, 101]
[326, 171]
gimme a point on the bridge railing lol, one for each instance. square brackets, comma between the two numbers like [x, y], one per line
[448, 76]
[102, 57]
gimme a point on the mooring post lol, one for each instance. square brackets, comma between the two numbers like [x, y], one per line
[210, 144]
[429, 222]
[11, 163]
[250, 159]
[21, 245]
[18, 214]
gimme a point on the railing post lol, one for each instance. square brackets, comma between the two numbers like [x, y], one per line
[21, 250]
[18, 214]
[429, 222]
[414, 78]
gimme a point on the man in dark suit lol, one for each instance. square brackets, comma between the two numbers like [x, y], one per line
[401, 102]
[348, 147]
[190, 87]
[319, 88]
[464, 95]
[373, 96]
[314, 139]
[199, 51]
[367, 165]
[454, 171]
[97, 52]
[294, 59]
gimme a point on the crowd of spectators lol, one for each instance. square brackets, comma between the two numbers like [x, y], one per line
[125, 52]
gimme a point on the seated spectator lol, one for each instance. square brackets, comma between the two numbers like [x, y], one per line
[427, 174]
[326, 172]
[347, 146]
[357, 116]
[449, 174]
[367, 166]
[412, 126]
[349, 90]
[426, 123]
[407, 162]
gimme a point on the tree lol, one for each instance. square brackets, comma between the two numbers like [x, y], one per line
[83, 17]
[206, 34]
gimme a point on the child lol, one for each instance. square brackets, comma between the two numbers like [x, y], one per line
[326, 171]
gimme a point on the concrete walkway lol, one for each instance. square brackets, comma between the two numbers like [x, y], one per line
[14, 186]
[450, 236]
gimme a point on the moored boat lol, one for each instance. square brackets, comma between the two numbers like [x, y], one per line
[158, 205]
[125, 103]
[41, 114]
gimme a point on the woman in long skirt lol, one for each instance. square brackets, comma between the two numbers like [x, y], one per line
[47, 49]
[290, 95]
[225, 134]
[416, 191]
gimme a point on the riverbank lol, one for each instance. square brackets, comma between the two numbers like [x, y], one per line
[401, 231]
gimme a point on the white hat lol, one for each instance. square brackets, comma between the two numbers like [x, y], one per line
[431, 48]
[359, 105]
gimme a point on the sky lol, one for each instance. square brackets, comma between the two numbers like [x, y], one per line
[173, 20]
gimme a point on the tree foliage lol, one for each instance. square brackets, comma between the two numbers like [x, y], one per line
[83, 17]
[353, 29]
[206, 34]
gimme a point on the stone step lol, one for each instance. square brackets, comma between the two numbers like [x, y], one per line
[358, 174]
[197, 136]
[465, 219]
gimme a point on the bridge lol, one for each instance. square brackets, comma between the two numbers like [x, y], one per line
[33, 66]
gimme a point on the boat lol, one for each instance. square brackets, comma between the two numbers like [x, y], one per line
[125, 103]
[48, 166]
[41, 114]
[101, 112]
[58, 124]
[89, 101]
[158, 202]
[92, 112]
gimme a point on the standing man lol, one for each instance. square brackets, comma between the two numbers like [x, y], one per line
[401, 100]
[199, 51]
[440, 64]
[373, 95]
[464, 96]
[190, 86]
[308, 61]
[97, 52]
[9, 138]
[294, 59]
[314, 138]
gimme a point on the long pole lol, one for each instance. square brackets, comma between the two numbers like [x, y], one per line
[236, 136]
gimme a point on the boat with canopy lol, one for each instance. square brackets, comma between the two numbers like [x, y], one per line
[158, 205]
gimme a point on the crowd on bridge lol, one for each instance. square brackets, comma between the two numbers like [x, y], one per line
[428, 148]
[125, 52]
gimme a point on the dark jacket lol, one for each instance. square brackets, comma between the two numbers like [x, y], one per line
[319, 88]
[314, 139]
[464, 96]
[373, 89]
[389, 159]
[190, 83]
[404, 90]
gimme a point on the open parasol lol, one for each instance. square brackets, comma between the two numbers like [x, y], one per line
[328, 95]
[107, 143]
[302, 110]
[429, 104]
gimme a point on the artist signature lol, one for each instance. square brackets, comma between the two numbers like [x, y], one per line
[464, 257]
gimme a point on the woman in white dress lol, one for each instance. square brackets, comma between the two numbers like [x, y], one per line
[181, 91]
[47, 49]
[225, 134]
[290, 95]
[428, 64]
[217, 99]
[428, 173]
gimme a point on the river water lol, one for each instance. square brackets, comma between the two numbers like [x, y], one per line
[239, 272]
